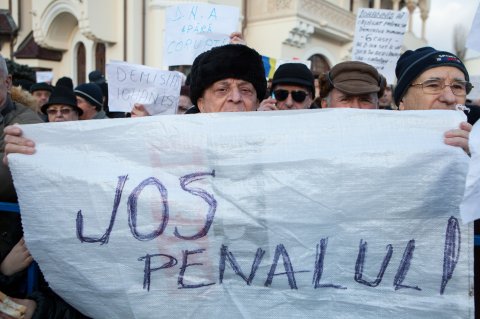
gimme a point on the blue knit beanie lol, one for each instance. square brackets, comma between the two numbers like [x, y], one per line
[92, 93]
[413, 63]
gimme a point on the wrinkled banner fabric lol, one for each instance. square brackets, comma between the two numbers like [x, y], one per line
[317, 214]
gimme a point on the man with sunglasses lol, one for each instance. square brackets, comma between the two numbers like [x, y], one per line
[293, 88]
[62, 106]
[352, 84]
[433, 80]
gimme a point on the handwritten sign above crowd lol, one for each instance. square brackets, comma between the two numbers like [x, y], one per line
[195, 28]
[156, 89]
[44, 76]
[328, 215]
[378, 39]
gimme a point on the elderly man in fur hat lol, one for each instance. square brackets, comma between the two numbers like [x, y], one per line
[229, 78]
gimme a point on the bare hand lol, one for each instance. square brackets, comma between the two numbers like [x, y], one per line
[237, 38]
[139, 110]
[30, 304]
[459, 137]
[269, 104]
[17, 259]
[16, 143]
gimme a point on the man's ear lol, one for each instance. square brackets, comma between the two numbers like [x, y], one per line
[401, 106]
[8, 81]
[201, 104]
[324, 104]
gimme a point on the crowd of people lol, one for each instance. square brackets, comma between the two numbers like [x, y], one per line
[230, 78]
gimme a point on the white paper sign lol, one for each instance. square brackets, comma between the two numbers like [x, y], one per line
[378, 39]
[195, 28]
[44, 76]
[473, 39]
[470, 207]
[326, 216]
[156, 89]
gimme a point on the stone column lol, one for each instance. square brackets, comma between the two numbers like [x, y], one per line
[411, 5]
[424, 6]
[396, 4]
[376, 4]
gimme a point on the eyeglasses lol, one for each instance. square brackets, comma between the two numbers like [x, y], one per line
[297, 96]
[64, 111]
[435, 86]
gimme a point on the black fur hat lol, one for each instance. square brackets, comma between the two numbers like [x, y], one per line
[228, 61]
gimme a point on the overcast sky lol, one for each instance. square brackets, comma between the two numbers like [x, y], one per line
[444, 15]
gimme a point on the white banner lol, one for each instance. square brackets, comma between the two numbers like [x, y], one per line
[378, 39]
[156, 89]
[195, 28]
[294, 214]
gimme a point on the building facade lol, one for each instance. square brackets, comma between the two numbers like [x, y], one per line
[74, 37]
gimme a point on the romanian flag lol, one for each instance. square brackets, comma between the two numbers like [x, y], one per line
[270, 66]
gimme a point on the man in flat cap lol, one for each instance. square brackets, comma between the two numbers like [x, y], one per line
[229, 78]
[352, 84]
[293, 88]
[433, 80]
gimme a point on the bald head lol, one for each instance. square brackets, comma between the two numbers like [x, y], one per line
[5, 82]
[3, 66]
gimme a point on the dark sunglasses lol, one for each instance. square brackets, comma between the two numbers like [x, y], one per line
[297, 96]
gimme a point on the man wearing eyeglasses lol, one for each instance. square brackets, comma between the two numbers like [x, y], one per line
[352, 84]
[293, 88]
[62, 106]
[433, 80]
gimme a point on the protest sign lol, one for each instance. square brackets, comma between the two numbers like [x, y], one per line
[473, 40]
[470, 207]
[378, 39]
[44, 76]
[128, 84]
[328, 215]
[195, 28]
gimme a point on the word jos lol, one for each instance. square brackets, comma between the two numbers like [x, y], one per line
[451, 250]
